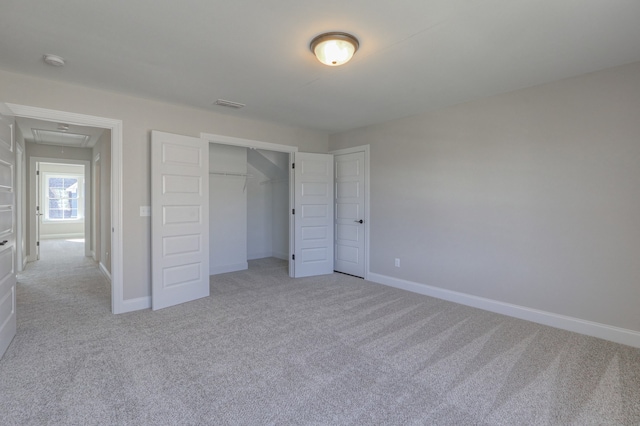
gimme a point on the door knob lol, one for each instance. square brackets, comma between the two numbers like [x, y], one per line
[359, 221]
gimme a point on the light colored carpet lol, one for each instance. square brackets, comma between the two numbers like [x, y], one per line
[267, 349]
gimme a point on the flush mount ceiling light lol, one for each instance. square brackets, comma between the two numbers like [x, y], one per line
[334, 48]
[54, 60]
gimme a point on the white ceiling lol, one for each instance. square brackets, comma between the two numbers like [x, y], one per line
[415, 55]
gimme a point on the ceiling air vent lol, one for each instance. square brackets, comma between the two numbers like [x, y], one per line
[229, 104]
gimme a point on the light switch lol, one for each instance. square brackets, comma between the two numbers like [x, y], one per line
[145, 210]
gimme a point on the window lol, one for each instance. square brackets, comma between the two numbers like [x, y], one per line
[63, 197]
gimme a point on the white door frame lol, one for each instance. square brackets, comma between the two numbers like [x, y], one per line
[33, 237]
[20, 190]
[365, 149]
[268, 146]
[115, 126]
[96, 227]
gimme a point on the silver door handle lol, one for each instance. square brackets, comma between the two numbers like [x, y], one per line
[359, 221]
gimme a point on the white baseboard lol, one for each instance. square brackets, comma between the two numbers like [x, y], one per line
[130, 305]
[213, 270]
[104, 271]
[280, 255]
[261, 255]
[590, 328]
[60, 236]
[277, 255]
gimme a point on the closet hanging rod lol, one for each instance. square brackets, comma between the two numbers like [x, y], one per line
[247, 175]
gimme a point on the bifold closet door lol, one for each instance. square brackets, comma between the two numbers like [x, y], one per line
[313, 214]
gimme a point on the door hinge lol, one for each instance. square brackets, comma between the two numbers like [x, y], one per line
[293, 211]
[37, 172]
[293, 165]
[293, 257]
[38, 243]
[37, 208]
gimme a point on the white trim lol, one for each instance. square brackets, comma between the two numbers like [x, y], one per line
[247, 143]
[259, 255]
[117, 249]
[367, 198]
[590, 328]
[20, 190]
[104, 271]
[65, 236]
[264, 254]
[280, 255]
[83, 192]
[95, 191]
[242, 266]
[130, 305]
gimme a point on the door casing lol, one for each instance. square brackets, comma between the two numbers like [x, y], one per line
[115, 126]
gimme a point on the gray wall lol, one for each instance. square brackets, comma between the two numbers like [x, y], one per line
[227, 209]
[530, 198]
[139, 117]
[259, 215]
[268, 210]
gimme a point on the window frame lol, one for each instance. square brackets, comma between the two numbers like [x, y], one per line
[46, 176]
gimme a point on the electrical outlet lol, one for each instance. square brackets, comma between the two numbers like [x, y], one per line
[397, 262]
[145, 210]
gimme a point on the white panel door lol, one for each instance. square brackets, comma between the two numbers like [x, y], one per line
[7, 239]
[179, 219]
[349, 213]
[39, 208]
[313, 217]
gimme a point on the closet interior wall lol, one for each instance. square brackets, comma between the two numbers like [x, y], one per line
[248, 206]
[268, 204]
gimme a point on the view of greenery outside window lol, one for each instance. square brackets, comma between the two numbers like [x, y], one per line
[63, 197]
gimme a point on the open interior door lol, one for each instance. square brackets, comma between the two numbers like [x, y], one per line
[313, 214]
[7, 232]
[179, 219]
[39, 209]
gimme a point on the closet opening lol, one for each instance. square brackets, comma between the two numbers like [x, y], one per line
[249, 203]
